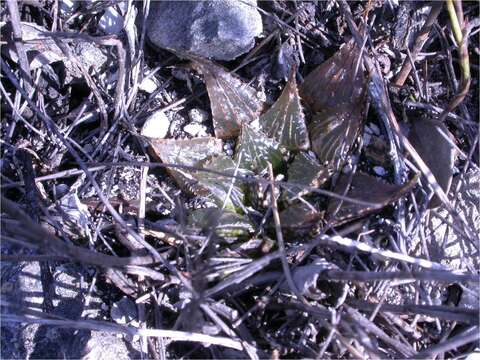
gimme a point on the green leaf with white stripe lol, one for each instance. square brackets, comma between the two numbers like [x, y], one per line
[225, 222]
[255, 150]
[216, 184]
[305, 171]
[233, 101]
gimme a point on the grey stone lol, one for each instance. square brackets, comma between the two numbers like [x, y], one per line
[221, 30]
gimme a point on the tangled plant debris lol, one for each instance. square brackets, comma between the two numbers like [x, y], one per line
[316, 195]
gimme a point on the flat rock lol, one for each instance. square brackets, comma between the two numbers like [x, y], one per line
[221, 30]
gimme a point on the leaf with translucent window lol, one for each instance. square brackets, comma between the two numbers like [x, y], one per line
[185, 152]
[215, 185]
[335, 93]
[285, 120]
[257, 150]
[226, 223]
[233, 102]
[305, 171]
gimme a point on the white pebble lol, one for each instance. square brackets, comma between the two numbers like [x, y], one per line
[111, 21]
[156, 126]
[375, 129]
[380, 171]
[67, 7]
[195, 130]
[229, 152]
[366, 138]
[198, 115]
[148, 85]
[228, 145]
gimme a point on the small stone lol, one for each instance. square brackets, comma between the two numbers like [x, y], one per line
[180, 74]
[67, 7]
[156, 126]
[375, 129]
[380, 171]
[221, 30]
[229, 152]
[229, 145]
[195, 130]
[176, 125]
[197, 115]
[347, 168]
[148, 85]
[61, 190]
[111, 21]
[366, 138]
[124, 311]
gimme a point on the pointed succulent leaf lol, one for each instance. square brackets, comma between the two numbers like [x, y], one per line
[430, 140]
[216, 187]
[233, 102]
[185, 152]
[335, 93]
[333, 134]
[226, 223]
[257, 150]
[285, 121]
[300, 217]
[367, 188]
[337, 82]
[305, 170]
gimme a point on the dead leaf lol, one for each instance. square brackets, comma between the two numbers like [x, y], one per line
[305, 170]
[257, 150]
[185, 152]
[285, 120]
[233, 102]
[335, 93]
[365, 188]
[436, 151]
